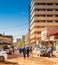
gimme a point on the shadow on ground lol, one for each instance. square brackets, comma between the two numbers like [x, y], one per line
[8, 63]
[13, 56]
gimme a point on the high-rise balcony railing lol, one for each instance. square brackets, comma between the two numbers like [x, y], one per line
[44, 24]
[35, 36]
[35, 30]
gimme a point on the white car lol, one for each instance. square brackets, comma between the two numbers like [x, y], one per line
[36, 52]
[3, 55]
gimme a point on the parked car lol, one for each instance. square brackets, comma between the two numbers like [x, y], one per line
[3, 55]
[36, 51]
[7, 49]
[40, 51]
[43, 51]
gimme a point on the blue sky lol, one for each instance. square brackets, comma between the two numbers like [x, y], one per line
[14, 17]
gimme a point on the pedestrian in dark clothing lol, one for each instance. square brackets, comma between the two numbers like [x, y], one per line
[30, 49]
[27, 51]
[20, 50]
[50, 52]
[52, 49]
[13, 48]
[24, 52]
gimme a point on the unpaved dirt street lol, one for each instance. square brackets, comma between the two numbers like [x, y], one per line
[34, 61]
[19, 60]
[8, 63]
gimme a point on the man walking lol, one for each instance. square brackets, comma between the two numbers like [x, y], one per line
[24, 52]
[27, 51]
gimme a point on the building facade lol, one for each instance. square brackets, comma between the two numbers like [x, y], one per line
[6, 39]
[43, 13]
[27, 39]
[18, 40]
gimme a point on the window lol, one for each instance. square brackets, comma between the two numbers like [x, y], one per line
[36, 15]
[39, 26]
[36, 9]
[36, 27]
[56, 9]
[36, 20]
[49, 21]
[37, 32]
[43, 15]
[43, 21]
[40, 4]
[56, 3]
[40, 21]
[49, 3]
[49, 9]
[37, 4]
[39, 9]
[42, 9]
[49, 15]
[56, 21]
[56, 15]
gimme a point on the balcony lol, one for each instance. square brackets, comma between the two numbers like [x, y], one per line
[44, 24]
[35, 30]
[35, 36]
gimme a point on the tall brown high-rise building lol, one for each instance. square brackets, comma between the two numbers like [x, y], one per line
[42, 13]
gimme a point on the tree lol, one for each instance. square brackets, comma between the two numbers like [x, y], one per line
[21, 43]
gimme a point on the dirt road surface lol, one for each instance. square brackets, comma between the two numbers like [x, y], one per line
[34, 61]
[19, 60]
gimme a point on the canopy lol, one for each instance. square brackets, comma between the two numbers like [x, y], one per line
[53, 31]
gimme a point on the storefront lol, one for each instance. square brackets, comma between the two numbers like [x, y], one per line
[2, 44]
[50, 35]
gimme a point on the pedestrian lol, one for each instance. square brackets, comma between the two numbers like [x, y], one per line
[11, 50]
[24, 52]
[27, 51]
[54, 45]
[20, 50]
[50, 51]
[30, 49]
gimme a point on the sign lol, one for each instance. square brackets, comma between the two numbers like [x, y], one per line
[44, 35]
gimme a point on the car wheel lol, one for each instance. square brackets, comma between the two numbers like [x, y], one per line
[1, 58]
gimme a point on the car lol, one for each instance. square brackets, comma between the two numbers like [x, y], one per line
[40, 51]
[36, 51]
[43, 51]
[7, 49]
[3, 55]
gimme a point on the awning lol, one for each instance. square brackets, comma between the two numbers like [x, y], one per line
[53, 31]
